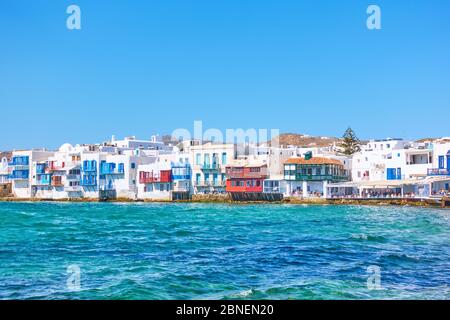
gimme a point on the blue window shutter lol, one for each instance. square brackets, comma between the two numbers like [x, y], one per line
[441, 162]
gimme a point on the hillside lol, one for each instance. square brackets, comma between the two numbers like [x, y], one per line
[6, 154]
[301, 140]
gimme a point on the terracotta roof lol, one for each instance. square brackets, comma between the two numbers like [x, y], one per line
[313, 160]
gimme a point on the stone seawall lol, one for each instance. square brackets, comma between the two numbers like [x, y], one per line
[225, 198]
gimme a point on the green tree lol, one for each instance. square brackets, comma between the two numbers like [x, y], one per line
[350, 143]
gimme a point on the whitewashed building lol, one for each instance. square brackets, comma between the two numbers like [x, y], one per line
[4, 171]
[26, 175]
[208, 167]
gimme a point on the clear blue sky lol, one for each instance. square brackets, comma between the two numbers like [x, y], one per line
[142, 67]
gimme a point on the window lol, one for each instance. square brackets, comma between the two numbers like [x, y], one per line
[441, 162]
[224, 158]
[133, 165]
[399, 173]
[198, 158]
[215, 158]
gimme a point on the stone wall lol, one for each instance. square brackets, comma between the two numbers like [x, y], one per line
[5, 190]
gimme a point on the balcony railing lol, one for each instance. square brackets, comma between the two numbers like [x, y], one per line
[56, 168]
[73, 189]
[20, 166]
[42, 182]
[57, 183]
[73, 177]
[209, 183]
[202, 183]
[246, 174]
[181, 177]
[20, 161]
[312, 177]
[109, 171]
[438, 172]
[20, 175]
[148, 180]
[210, 166]
[88, 181]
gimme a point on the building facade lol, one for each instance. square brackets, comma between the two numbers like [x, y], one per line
[309, 176]
[209, 163]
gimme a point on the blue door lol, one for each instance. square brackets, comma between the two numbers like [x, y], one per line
[448, 162]
[391, 174]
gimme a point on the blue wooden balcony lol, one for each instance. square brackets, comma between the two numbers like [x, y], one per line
[181, 171]
[88, 181]
[20, 175]
[110, 168]
[210, 166]
[20, 161]
[43, 180]
[438, 172]
[89, 166]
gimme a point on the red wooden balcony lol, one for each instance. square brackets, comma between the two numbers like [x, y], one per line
[165, 175]
[247, 172]
[53, 166]
[245, 185]
[150, 177]
[147, 177]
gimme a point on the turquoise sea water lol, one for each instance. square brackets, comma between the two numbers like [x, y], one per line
[216, 251]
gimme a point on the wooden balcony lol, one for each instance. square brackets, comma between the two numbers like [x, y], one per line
[438, 172]
[145, 180]
[245, 173]
[164, 176]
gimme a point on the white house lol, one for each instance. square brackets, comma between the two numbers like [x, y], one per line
[4, 171]
[155, 181]
[208, 167]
